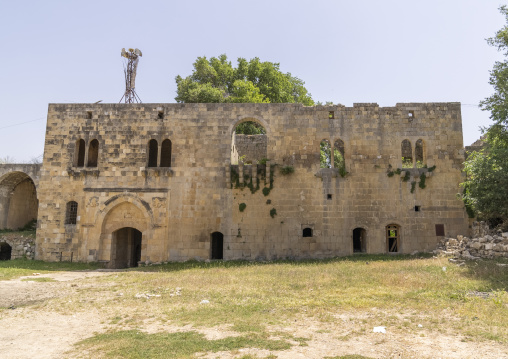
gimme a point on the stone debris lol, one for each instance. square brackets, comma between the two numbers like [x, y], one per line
[147, 295]
[177, 291]
[379, 330]
[484, 245]
[204, 301]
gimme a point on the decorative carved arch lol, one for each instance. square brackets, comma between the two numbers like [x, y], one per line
[114, 201]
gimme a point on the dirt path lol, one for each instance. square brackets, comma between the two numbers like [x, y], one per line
[32, 330]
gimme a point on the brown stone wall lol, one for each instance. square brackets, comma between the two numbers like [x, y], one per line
[178, 208]
[251, 148]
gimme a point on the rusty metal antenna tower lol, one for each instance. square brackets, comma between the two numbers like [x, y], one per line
[130, 67]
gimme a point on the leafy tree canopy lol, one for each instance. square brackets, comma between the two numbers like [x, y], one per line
[486, 186]
[216, 80]
[497, 103]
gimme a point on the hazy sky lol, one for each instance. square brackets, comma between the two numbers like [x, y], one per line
[345, 51]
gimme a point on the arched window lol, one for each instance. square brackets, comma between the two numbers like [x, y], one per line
[419, 154]
[392, 238]
[325, 154]
[71, 212]
[217, 246]
[166, 153]
[153, 151]
[338, 155]
[307, 232]
[249, 143]
[93, 153]
[407, 154]
[79, 153]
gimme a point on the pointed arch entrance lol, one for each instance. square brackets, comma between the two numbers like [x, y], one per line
[125, 234]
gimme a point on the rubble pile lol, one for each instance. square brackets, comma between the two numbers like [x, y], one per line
[484, 244]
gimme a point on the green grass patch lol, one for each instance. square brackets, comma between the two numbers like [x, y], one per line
[21, 267]
[137, 344]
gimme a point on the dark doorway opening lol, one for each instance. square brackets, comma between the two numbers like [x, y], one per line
[217, 245]
[359, 240]
[392, 238]
[126, 248]
[5, 251]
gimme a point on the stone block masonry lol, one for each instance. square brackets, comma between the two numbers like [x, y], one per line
[130, 183]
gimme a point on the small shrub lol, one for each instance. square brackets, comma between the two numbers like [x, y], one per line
[430, 169]
[263, 161]
[422, 181]
[406, 177]
[242, 207]
[342, 171]
[286, 170]
[273, 212]
[413, 186]
[266, 191]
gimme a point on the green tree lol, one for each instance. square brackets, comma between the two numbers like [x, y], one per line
[497, 103]
[486, 186]
[216, 80]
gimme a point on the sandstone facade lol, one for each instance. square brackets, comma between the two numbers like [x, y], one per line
[123, 183]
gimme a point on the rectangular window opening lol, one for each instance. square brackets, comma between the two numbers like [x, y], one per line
[417, 208]
[331, 115]
[411, 114]
[328, 196]
[89, 115]
[160, 115]
[440, 230]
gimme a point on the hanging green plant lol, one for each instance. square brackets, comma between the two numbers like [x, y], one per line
[242, 207]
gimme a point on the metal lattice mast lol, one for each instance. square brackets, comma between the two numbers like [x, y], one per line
[130, 67]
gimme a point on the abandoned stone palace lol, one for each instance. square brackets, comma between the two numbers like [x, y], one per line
[128, 183]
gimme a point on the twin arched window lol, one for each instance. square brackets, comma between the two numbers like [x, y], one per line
[165, 153]
[408, 161]
[80, 151]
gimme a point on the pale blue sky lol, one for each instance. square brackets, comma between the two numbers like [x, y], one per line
[345, 51]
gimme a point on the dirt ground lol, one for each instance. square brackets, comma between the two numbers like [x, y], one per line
[31, 331]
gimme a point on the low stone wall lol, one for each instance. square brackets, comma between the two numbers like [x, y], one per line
[21, 245]
[485, 244]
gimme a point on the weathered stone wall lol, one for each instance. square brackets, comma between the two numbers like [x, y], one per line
[22, 246]
[251, 148]
[178, 208]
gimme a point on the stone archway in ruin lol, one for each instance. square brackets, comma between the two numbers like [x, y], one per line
[123, 241]
[18, 200]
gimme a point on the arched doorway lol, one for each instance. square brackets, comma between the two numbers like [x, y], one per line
[359, 240]
[18, 200]
[126, 248]
[5, 251]
[217, 246]
[125, 237]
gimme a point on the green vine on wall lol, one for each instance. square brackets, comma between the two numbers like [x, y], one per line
[407, 176]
